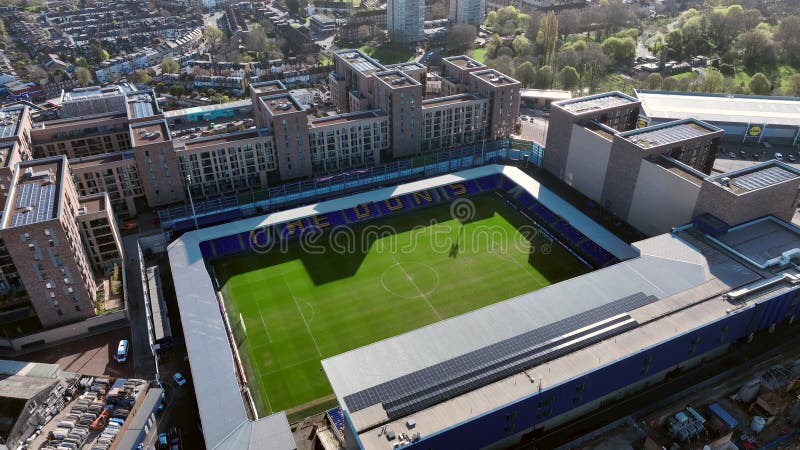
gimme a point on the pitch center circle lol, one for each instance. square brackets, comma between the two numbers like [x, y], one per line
[410, 280]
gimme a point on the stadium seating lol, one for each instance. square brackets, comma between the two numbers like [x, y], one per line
[336, 417]
[555, 224]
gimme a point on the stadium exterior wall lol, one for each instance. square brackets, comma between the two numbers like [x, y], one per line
[611, 380]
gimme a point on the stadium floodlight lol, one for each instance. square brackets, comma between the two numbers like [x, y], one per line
[191, 201]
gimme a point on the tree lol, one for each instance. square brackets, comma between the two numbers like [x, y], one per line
[712, 81]
[569, 78]
[169, 65]
[654, 81]
[83, 76]
[255, 40]
[521, 45]
[670, 84]
[141, 77]
[727, 70]
[544, 78]
[525, 73]
[757, 48]
[293, 6]
[81, 62]
[792, 85]
[674, 41]
[492, 45]
[788, 38]
[461, 36]
[620, 50]
[114, 280]
[759, 84]
[213, 36]
[569, 22]
[548, 35]
[503, 63]
[176, 90]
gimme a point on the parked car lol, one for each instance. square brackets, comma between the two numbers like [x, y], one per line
[122, 351]
[174, 436]
[779, 156]
[179, 379]
[163, 441]
[732, 155]
[791, 158]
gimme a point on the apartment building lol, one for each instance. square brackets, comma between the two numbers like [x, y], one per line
[157, 163]
[88, 101]
[455, 73]
[348, 140]
[401, 97]
[40, 235]
[288, 121]
[502, 92]
[115, 174]
[467, 11]
[404, 20]
[453, 121]
[99, 233]
[15, 128]
[227, 163]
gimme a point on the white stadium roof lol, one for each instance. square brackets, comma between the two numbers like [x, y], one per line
[720, 107]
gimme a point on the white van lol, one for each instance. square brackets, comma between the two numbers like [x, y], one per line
[122, 351]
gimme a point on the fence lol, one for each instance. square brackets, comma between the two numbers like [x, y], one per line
[180, 218]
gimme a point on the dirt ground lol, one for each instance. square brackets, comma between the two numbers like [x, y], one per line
[90, 356]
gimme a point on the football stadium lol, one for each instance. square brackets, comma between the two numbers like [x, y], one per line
[467, 310]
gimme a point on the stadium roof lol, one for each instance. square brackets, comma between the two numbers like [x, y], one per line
[687, 275]
[222, 409]
[755, 109]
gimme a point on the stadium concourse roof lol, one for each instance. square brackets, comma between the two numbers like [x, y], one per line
[222, 409]
[718, 108]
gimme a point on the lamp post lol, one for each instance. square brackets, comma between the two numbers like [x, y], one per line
[191, 201]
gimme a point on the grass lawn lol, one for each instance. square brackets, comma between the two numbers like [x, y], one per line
[300, 307]
[387, 54]
[479, 54]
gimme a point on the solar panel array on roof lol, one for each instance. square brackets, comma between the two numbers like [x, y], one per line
[667, 135]
[38, 199]
[423, 388]
[142, 109]
[8, 123]
[762, 178]
[608, 101]
[360, 63]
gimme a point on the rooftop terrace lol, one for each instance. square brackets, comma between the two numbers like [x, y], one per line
[91, 92]
[596, 102]
[495, 78]
[141, 105]
[449, 100]
[669, 133]
[220, 139]
[464, 61]
[360, 61]
[282, 104]
[93, 203]
[756, 177]
[147, 134]
[344, 118]
[396, 79]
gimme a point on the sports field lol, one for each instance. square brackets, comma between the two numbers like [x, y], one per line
[301, 306]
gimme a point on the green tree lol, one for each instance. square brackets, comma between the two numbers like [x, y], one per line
[712, 81]
[792, 85]
[759, 84]
[569, 78]
[757, 48]
[176, 90]
[169, 65]
[788, 38]
[81, 62]
[670, 84]
[674, 41]
[544, 78]
[84, 76]
[521, 45]
[727, 70]
[525, 73]
[548, 36]
[620, 50]
[492, 45]
[213, 36]
[141, 77]
[654, 81]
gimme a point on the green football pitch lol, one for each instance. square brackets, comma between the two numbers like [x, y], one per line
[302, 305]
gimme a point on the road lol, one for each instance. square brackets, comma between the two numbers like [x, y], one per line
[144, 365]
